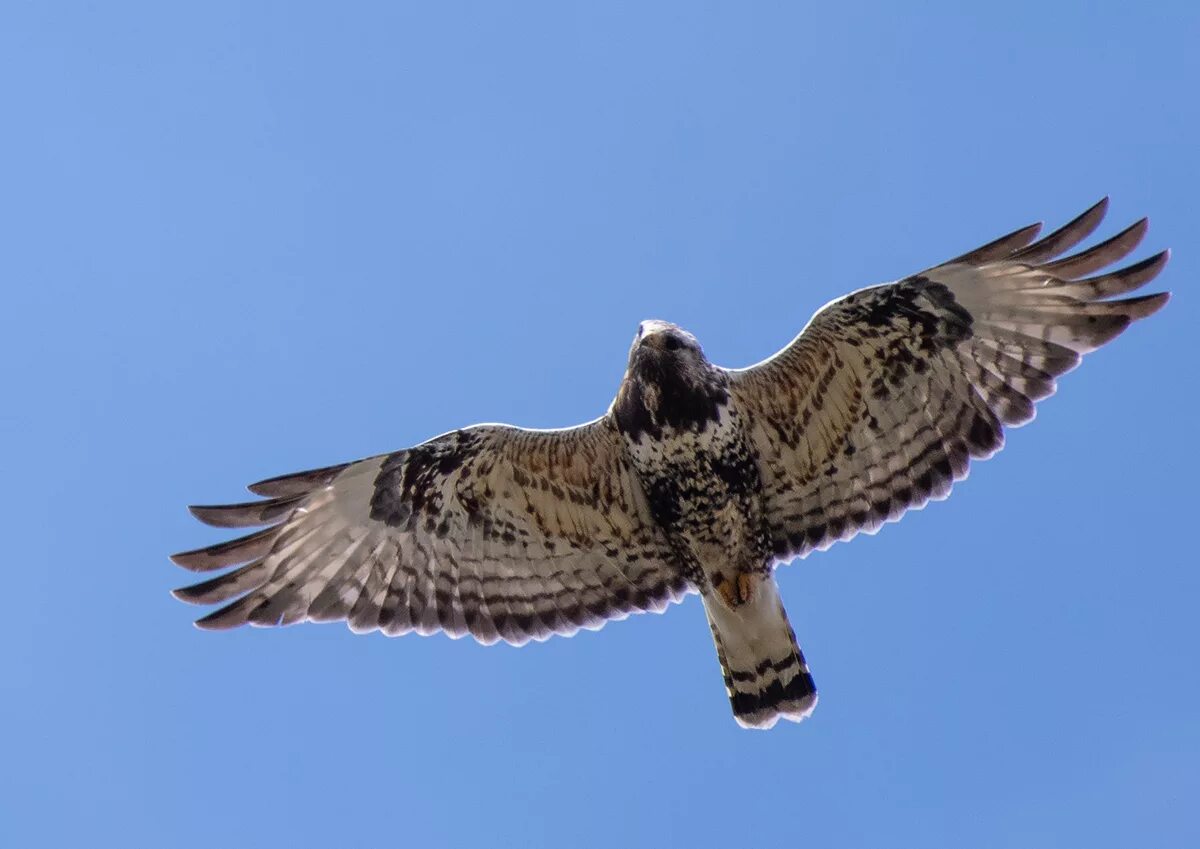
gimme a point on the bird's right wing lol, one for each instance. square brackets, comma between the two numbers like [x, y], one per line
[496, 531]
[881, 401]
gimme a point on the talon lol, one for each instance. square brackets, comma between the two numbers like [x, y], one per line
[736, 592]
[726, 590]
[745, 586]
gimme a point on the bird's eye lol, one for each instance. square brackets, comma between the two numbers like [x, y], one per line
[672, 343]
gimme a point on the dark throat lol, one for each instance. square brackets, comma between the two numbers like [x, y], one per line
[659, 394]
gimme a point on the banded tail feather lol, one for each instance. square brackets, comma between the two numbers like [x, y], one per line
[766, 676]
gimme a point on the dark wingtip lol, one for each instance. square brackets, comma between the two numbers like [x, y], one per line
[247, 515]
[229, 553]
[1147, 305]
[1098, 256]
[188, 595]
[225, 619]
[205, 513]
[266, 488]
[1000, 248]
[1065, 237]
[1143, 272]
[297, 483]
[184, 559]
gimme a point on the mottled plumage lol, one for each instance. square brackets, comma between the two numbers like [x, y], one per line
[697, 479]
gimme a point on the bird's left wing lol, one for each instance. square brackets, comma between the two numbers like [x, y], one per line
[882, 400]
[496, 531]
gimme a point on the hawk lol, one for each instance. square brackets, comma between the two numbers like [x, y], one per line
[698, 479]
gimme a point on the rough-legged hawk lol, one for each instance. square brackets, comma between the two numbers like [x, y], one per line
[697, 479]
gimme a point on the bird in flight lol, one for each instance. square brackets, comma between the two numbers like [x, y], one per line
[697, 478]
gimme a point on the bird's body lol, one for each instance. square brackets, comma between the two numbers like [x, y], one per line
[691, 453]
[697, 479]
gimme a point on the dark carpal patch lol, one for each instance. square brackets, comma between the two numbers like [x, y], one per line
[913, 321]
[957, 322]
[411, 482]
[928, 307]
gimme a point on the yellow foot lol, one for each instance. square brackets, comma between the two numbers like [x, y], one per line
[738, 591]
[745, 586]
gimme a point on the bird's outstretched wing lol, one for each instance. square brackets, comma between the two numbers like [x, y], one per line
[882, 400]
[502, 533]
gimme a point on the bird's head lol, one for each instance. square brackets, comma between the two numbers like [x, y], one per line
[661, 346]
[669, 382]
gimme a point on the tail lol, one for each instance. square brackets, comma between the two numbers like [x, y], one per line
[765, 673]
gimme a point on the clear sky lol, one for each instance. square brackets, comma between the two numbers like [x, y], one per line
[246, 239]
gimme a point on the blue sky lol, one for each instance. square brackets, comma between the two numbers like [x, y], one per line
[246, 239]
